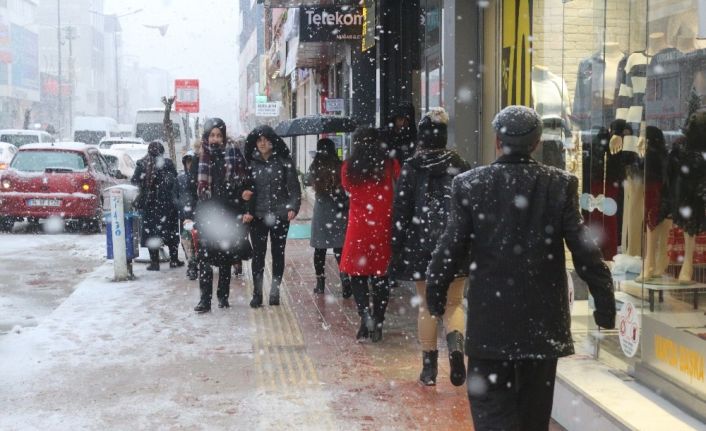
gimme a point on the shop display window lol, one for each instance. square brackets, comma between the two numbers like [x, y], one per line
[621, 86]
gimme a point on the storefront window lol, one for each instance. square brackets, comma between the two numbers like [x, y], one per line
[619, 85]
[432, 54]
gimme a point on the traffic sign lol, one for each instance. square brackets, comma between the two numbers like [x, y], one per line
[187, 95]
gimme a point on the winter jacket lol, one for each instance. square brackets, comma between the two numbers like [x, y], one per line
[185, 195]
[512, 218]
[686, 188]
[367, 250]
[160, 216]
[402, 142]
[330, 218]
[218, 218]
[421, 209]
[274, 181]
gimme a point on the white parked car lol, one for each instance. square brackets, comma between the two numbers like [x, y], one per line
[20, 137]
[120, 162]
[7, 152]
[136, 151]
[109, 142]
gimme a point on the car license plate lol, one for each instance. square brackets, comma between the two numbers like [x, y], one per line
[44, 202]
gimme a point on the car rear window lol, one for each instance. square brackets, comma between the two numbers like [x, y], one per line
[39, 161]
[20, 140]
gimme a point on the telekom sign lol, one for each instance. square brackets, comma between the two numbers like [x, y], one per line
[187, 95]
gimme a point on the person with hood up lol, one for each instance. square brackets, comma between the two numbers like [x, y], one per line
[155, 175]
[328, 224]
[510, 220]
[219, 217]
[186, 203]
[401, 132]
[368, 176]
[275, 203]
[420, 211]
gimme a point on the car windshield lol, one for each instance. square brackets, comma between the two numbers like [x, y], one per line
[112, 161]
[38, 161]
[90, 137]
[19, 140]
[155, 132]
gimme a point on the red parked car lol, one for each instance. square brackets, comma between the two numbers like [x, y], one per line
[55, 179]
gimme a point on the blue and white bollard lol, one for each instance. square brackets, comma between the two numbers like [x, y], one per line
[117, 215]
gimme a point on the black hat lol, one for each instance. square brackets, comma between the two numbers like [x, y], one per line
[433, 129]
[518, 128]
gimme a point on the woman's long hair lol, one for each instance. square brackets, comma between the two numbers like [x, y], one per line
[367, 161]
[326, 168]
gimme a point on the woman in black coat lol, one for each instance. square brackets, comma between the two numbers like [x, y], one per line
[222, 230]
[420, 212]
[155, 175]
[275, 203]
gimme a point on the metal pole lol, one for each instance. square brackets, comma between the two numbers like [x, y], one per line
[117, 81]
[58, 45]
[70, 37]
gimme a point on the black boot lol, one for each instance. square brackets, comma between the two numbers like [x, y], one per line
[174, 261]
[429, 368]
[346, 289]
[223, 291]
[458, 366]
[274, 292]
[320, 284]
[376, 333]
[154, 260]
[366, 326]
[206, 287]
[192, 270]
[256, 300]
[238, 268]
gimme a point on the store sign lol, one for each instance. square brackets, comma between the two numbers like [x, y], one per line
[330, 24]
[334, 105]
[369, 20]
[268, 109]
[187, 95]
[678, 353]
[629, 329]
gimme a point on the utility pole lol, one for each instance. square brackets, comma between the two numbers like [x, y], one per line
[117, 77]
[58, 45]
[70, 36]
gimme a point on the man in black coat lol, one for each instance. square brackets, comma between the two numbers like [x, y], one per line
[513, 218]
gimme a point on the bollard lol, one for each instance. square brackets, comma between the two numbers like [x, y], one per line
[117, 213]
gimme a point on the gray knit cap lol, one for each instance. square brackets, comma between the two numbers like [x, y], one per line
[518, 128]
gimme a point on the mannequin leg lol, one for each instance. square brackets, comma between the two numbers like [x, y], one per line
[648, 266]
[687, 268]
[662, 251]
[635, 216]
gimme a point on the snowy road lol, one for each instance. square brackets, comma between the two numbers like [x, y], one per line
[40, 271]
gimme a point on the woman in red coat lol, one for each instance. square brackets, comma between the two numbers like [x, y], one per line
[368, 177]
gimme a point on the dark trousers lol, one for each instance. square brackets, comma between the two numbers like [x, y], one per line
[259, 231]
[320, 259]
[173, 254]
[381, 295]
[206, 281]
[511, 395]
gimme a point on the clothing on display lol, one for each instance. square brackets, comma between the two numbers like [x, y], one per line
[597, 87]
[664, 101]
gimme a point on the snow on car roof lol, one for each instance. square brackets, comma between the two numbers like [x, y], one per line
[73, 146]
[119, 139]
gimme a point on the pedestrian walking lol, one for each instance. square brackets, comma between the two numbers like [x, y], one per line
[401, 132]
[222, 203]
[511, 220]
[421, 208]
[330, 218]
[186, 203]
[368, 176]
[155, 175]
[275, 203]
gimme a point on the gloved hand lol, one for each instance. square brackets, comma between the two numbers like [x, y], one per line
[604, 320]
[436, 301]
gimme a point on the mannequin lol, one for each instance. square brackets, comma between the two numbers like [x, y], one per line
[550, 96]
[656, 224]
[687, 188]
[632, 109]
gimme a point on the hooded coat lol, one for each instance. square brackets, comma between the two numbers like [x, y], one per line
[402, 141]
[274, 181]
[421, 209]
[223, 237]
[156, 175]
